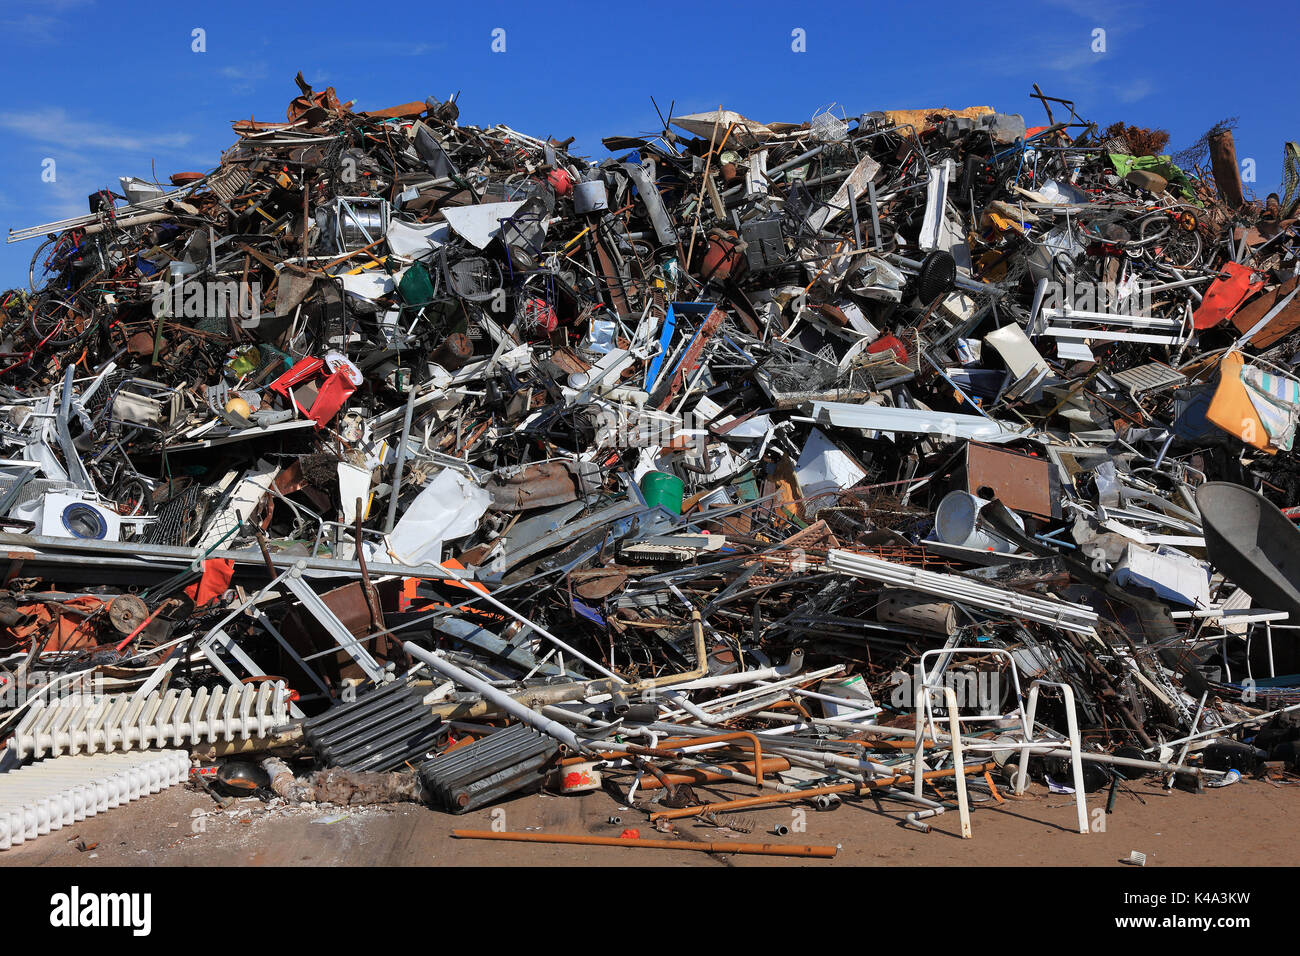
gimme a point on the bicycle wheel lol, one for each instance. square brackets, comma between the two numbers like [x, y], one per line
[1178, 244]
[132, 495]
[57, 323]
[1152, 229]
[49, 262]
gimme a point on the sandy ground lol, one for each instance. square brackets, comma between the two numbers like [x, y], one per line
[1249, 824]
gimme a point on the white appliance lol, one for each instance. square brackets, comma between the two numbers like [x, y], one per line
[69, 514]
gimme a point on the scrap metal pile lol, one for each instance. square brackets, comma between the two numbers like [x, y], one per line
[830, 458]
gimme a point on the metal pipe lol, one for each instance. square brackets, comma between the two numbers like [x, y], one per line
[760, 849]
[977, 743]
[507, 703]
[88, 219]
[773, 174]
[765, 799]
[401, 462]
[1062, 614]
[722, 738]
[1222, 731]
[831, 760]
[695, 777]
[132, 221]
[781, 671]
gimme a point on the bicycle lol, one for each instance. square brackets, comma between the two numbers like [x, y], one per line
[52, 259]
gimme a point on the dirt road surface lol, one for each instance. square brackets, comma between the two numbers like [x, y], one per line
[1248, 824]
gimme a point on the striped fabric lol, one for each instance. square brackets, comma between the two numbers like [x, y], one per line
[1276, 400]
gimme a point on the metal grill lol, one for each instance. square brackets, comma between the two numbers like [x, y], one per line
[179, 520]
[813, 374]
[828, 127]
[228, 183]
[474, 278]
[1146, 378]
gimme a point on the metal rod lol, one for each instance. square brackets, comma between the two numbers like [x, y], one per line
[507, 703]
[813, 792]
[760, 849]
[401, 461]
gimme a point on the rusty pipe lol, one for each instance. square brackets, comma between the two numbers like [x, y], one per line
[695, 777]
[767, 798]
[659, 776]
[754, 744]
[761, 849]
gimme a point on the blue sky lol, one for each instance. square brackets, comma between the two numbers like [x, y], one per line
[108, 89]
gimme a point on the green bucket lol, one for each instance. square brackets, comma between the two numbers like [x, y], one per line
[661, 488]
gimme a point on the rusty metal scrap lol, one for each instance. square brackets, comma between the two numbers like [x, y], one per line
[825, 458]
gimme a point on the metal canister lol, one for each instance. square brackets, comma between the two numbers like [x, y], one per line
[590, 196]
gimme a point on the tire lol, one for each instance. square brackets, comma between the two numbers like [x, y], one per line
[1152, 229]
[132, 496]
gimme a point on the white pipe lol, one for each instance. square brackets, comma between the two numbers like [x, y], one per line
[831, 760]
[1221, 731]
[761, 690]
[1073, 617]
[780, 671]
[1045, 748]
[507, 703]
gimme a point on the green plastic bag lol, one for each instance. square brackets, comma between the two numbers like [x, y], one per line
[416, 287]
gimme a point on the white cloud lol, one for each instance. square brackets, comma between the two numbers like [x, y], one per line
[243, 72]
[54, 126]
[37, 21]
[1133, 91]
[245, 78]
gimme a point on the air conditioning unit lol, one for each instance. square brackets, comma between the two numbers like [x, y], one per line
[69, 514]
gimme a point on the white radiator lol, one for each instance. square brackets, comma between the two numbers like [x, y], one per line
[91, 724]
[56, 793]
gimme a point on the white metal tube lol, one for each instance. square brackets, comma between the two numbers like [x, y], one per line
[507, 703]
[1045, 747]
[780, 672]
[761, 689]
[1074, 617]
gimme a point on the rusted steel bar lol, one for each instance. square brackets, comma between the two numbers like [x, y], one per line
[760, 849]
